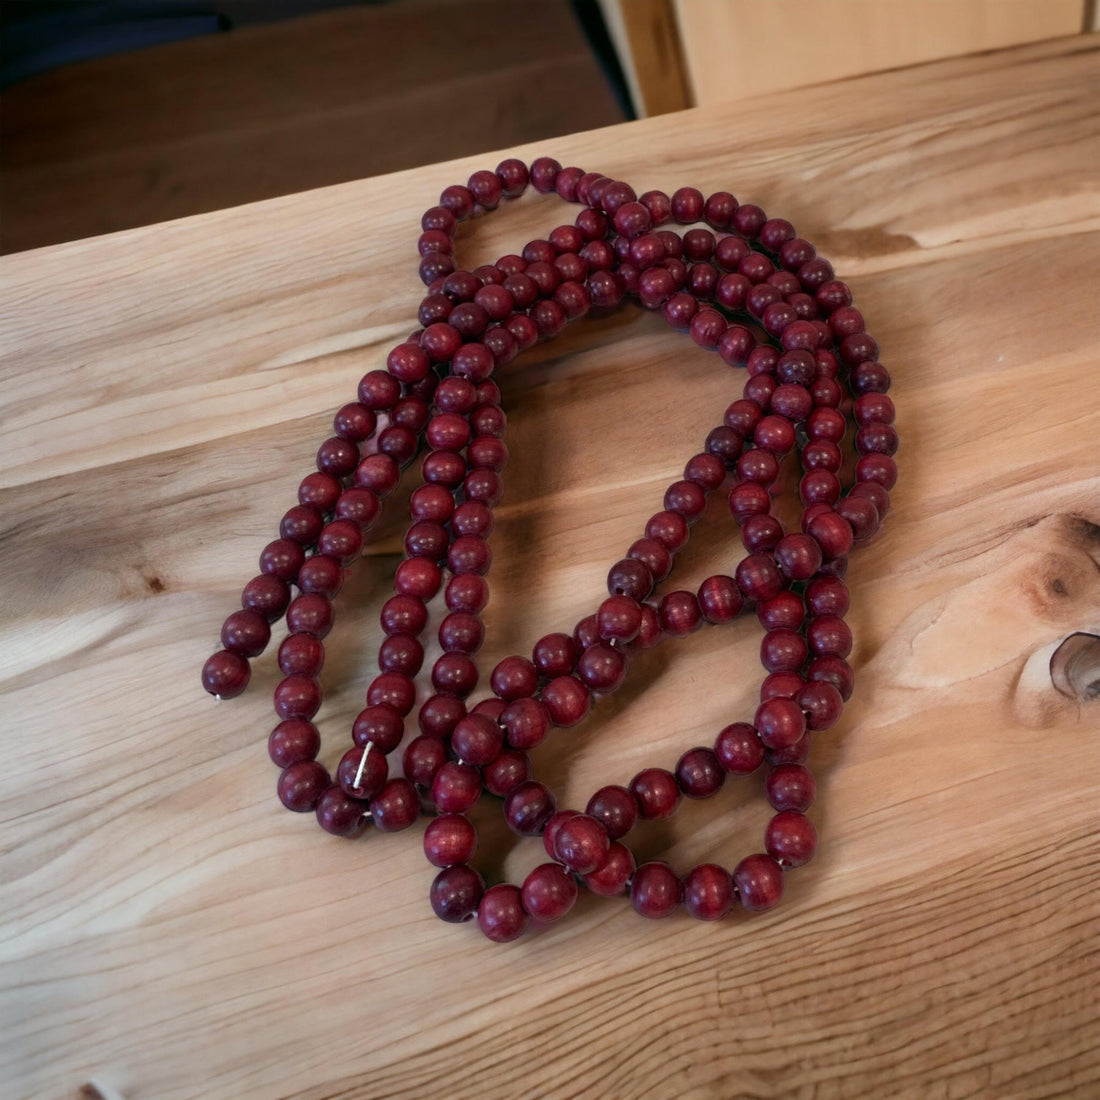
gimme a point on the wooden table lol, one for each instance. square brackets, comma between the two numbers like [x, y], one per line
[170, 931]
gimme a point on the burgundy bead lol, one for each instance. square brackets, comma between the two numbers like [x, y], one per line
[798, 556]
[835, 671]
[611, 877]
[581, 843]
[739, 749]
[679, 614]
[378, 725]
[301, 785]
[782, 651]
[426, 540]
[293, 741]
[456, 892]
[529, 807]
[282, 558]
[567, 700]
[514, 678]
[246, 633]
[832, 532]
[699, 773]
[477, 740]
[749, 499]
[526, 723]
[396, 807]
[548, 892]
[878, 468]
[780, 722]
[321, 575]
[391, 689]
[340, 814]
[758, 880]
[782, 612]
[550, 832]
[454, 674]
[790, 787]
[302, 523]
[297, 697]
[829, 636]
[719, 599]
[618, 619]
[269, 596]
[708, 892]
[781, 685]
[337, 457]
[655, 891]
[511, 768]
[615, 808]
[790, 838]
[422, 759]
[378, 473]
[758, 577]
[456, 787]
[760, 532]
[656, 792]
[602, 667]
[822, 703]
[500, 913]
[362, 772]
[631, 578]
[861, 514]
[554, 654]
[341, 539]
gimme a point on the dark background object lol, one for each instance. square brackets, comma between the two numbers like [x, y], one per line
[123, 113]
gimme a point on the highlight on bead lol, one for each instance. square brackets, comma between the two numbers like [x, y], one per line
[734, 281]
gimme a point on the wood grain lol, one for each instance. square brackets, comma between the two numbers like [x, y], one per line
[740, 48]
[168, 931]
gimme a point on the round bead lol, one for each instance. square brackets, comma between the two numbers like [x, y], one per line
[548, 892]
[790, 787]
[514, 678]
[226, 674]
[656, 792]
[301, 785]
[340, 814]
[581, 843]
[611, 877]
[528, 808]
[456, 892]
[477, 740]
[708, 892]
[779, 722]
[618, 619]
[567, 700]
[739, 749]
[293, 741]
[655, 891]
[456, 787]
[395, 807]
[362, 772]
[615, 808]
[791, 838]
[758, 880]
[699, 773]
[500, 913]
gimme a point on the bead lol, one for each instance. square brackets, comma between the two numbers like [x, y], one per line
[782, 651]
[455, 893]
[581, 843]
[246, 633]
[567, 700]
[528, 808]
[719, 599]
[782, 612]
[798, 556]
[548, 893]
[514, 678]
[631, 578]
[554, 655]
[699, 773]
[297, 697]
[758, 577]
[467, 592]
[293, 741]
[758, 881]
[511, 768]
[602, 667]
[340, 814]
[282, 558]
[679, 614]
[739, 749]
[790, 838]
[656, 792]
[779, 722]
[301, 785]
[456, 787]
[618, 619]
[477, 740]
[783, 684]
[708, 892]
[822, 704]
[268, 595]
[500, 913]
[790, 787]
[611, 877]
[655, 891]
[615, 808]
[362, 772]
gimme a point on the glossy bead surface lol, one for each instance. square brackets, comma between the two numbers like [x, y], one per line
[655, 890]
[456, 892]
[758, 881]
[548, 893]
[708, 892]
[500, 913]
[656, 792]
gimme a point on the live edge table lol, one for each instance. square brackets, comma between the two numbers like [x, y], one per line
[169, 930]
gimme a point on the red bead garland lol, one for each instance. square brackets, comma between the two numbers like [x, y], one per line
[803, 343]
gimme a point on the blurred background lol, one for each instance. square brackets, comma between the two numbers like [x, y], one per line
[118, 113]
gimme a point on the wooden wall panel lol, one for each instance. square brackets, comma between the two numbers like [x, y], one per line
[737, 48]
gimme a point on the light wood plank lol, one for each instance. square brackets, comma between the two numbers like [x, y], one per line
[168, 931]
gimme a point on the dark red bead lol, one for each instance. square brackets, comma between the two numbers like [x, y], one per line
[456, 892]
[301, 785]
[791, 838]
[246, 633]
[779, 722]
[782, 651]
[548, 892]
[362, 772]
[500, 913]
[790, 787]
[511, 768]
[529, 807]
[422, 759]
[456, 787]
[699, 773]
[293, 741]
[567, 700]
[758, 881]
[602, 667]
[822, 703]
[611, 877]
[708, 892]
[297, 697]
[739, 749]
[782, 612]
[340, 814]
[513, 678]
[477, 740]
[555, 655]
[656, 792]
[266, 594]
[581, 843]
[396, 807]
[282, 558]
[679, 613]
[655, 891]
[615, 808]
[378, 725]
[719, 599]
[758, 577]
